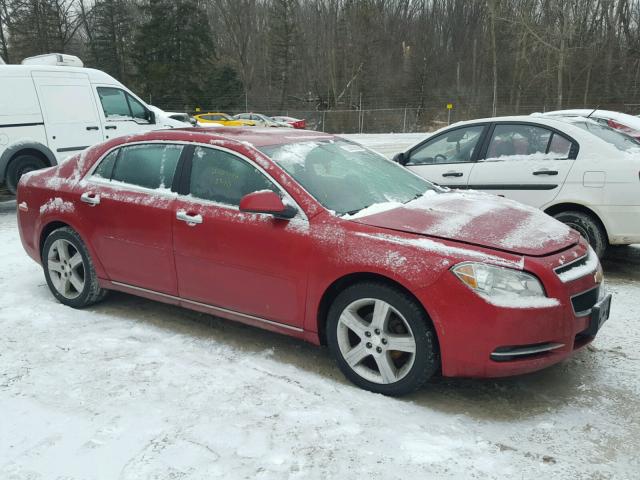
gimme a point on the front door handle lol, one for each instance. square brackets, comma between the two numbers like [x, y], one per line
[92, 199]
[110, 127]
[93, 128]
[190, 219]
[452, 174]
[545, 172]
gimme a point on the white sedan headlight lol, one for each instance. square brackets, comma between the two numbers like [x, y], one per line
[498, 282]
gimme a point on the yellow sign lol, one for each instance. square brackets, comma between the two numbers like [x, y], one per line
[449, 106]
[197, 109]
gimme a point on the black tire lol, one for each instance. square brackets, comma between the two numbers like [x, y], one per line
[587, 226]
[426, 360]
[91, 292]
[20, 165]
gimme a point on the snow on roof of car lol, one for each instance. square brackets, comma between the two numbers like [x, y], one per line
[623, 118]
[254, 136]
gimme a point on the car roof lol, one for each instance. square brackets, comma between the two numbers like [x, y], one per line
[254, 136]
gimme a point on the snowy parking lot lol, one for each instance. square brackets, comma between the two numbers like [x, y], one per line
[133, 389]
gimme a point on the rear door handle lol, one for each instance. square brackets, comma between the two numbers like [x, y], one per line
[452, 174]
[190, 219]
[93, 128]
[546, 172]
[92, 199]
[110, 127]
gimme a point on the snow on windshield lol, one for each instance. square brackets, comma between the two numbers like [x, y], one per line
[345, 177]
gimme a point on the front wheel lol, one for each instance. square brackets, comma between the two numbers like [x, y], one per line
[382, 339]
[18, 167]
[587, 226]
[69, 270]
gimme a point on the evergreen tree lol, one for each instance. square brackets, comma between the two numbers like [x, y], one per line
[108, 28]
[175, 55]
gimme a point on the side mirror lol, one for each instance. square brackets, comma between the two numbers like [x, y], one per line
[266, 201]
[401, 158]
[151, 117]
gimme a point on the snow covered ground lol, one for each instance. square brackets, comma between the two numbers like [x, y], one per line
[387, 144]
[132, 389]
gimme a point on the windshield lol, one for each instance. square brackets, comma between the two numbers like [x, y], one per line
[619, 140]
[345, 177]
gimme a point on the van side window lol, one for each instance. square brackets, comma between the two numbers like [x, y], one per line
[150, 166]
[137, 109]
[119, 105]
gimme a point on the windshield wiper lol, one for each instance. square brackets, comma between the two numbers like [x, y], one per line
[353, 212]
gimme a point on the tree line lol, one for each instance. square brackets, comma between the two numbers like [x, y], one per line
[487, 56]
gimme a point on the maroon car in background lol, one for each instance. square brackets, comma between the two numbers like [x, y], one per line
[294, 122]
[316, 237]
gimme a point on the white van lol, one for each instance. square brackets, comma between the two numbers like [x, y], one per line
[49, 111]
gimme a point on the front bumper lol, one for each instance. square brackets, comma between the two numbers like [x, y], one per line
[478, 339]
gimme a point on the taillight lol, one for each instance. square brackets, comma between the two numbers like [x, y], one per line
[623, 128]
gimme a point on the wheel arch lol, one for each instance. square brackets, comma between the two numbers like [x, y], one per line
[47, 230]
[25, 148]
[346, 281]
[569, 206]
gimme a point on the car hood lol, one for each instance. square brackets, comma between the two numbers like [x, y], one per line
[476, 219]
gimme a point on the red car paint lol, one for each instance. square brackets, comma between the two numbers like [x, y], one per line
[274, 273]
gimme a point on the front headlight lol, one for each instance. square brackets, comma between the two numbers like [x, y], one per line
[498, 282]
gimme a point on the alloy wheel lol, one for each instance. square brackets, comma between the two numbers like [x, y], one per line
[66, 269]
[376, 341]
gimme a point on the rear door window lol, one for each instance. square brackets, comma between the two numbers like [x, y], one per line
[518, 141]
[150, 165]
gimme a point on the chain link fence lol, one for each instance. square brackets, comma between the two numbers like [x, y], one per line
[408, 119]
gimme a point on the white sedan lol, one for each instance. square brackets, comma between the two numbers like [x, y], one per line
[585, 174]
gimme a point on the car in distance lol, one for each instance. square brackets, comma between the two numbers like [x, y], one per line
[51, 108]
[313, 236]
[294, 122]
[205, 119]
[183, 117]
[261, 120]
[581, 172]
[629, 124]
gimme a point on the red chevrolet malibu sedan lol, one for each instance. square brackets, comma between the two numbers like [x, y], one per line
[316, 237]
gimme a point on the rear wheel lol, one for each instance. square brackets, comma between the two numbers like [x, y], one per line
[18, 167]
[69, 271]
[587, 226]
[381, 339]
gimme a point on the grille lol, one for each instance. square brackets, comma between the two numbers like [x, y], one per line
[583, 302]
[569, 266]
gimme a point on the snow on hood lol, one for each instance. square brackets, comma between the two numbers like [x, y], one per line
[477, 219]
